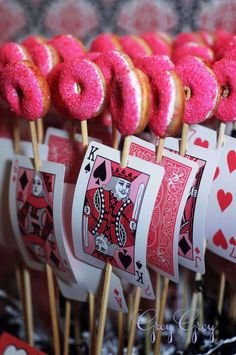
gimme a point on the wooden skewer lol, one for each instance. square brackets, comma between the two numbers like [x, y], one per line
[221, 293]
[92, 323]
[130, 310]
[160, 149]
[220, 140]
[161, 315]
[132, 330]
[76, 325]
[184, 139]
[103, 312]
[53, 309]
[84, 133]
[37, 163]
[195, 297]
[125, 152]
[16, 135]
[40, 133]
[120, 333]
[158, 293]
[67, 327]
[115, 137]
[28, 306]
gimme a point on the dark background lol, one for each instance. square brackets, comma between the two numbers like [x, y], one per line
[86, 18]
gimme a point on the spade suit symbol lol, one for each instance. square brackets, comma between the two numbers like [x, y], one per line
[87, 168]
[100, 173]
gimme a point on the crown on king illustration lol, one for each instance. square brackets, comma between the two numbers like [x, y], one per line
[125, 173]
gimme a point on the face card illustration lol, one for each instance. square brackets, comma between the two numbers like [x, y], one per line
[192, 234]
[6, 157]
[10, 345]
[162, 250]
[35, 207]
[65, 150]
[114, 217]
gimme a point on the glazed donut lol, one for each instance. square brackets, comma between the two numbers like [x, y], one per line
[201, 89]
[105, 42]
[43, 55]
[224, 70]
[12, 52]
[53, 82]
[68, 46]
[130, 101]
[25, 90]
[194, 49]
[82, 88]
[134, 46]
[167, 95]
[157, 43]
[208, 37]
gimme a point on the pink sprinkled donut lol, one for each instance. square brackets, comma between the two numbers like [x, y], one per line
[225, 70]
[208, 37]
[186, 37]
[221, 38]
[201, 88]
[43, 55]
[25, 89]
[135, 46]
[82, 88]
[68, 46]
[157, 43]
[130, 101]
[154, 63]
[167, 95]
[112, 62]
[12, 52]
[105, 42]
[194, 49]
[53, 82]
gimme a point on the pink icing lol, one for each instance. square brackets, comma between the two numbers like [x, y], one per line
[194, 49]
[84, 75]
[20, 86]
[12, 52]
[157, 44]
[221, 38]
[185, 37]
[41, 53]
[196, 75]
[67, 46]
[225, 70]
[53, 81]
[125, 101]
[153, 64]
[104, 42]
[134, 48]
[163, 91]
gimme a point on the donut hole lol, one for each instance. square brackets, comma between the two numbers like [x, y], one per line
[19, 93]
[187, 92]
[225, 91]
[77, 88]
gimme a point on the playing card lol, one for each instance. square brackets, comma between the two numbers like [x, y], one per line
[35, 201]
[112, 211]
[162, 250]
[6, 157]
[10, 345]
[221, 204]
[116, 300]
[66, 150]
[192, 234]
[148, 292]
[202, 136]
[220, 228]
